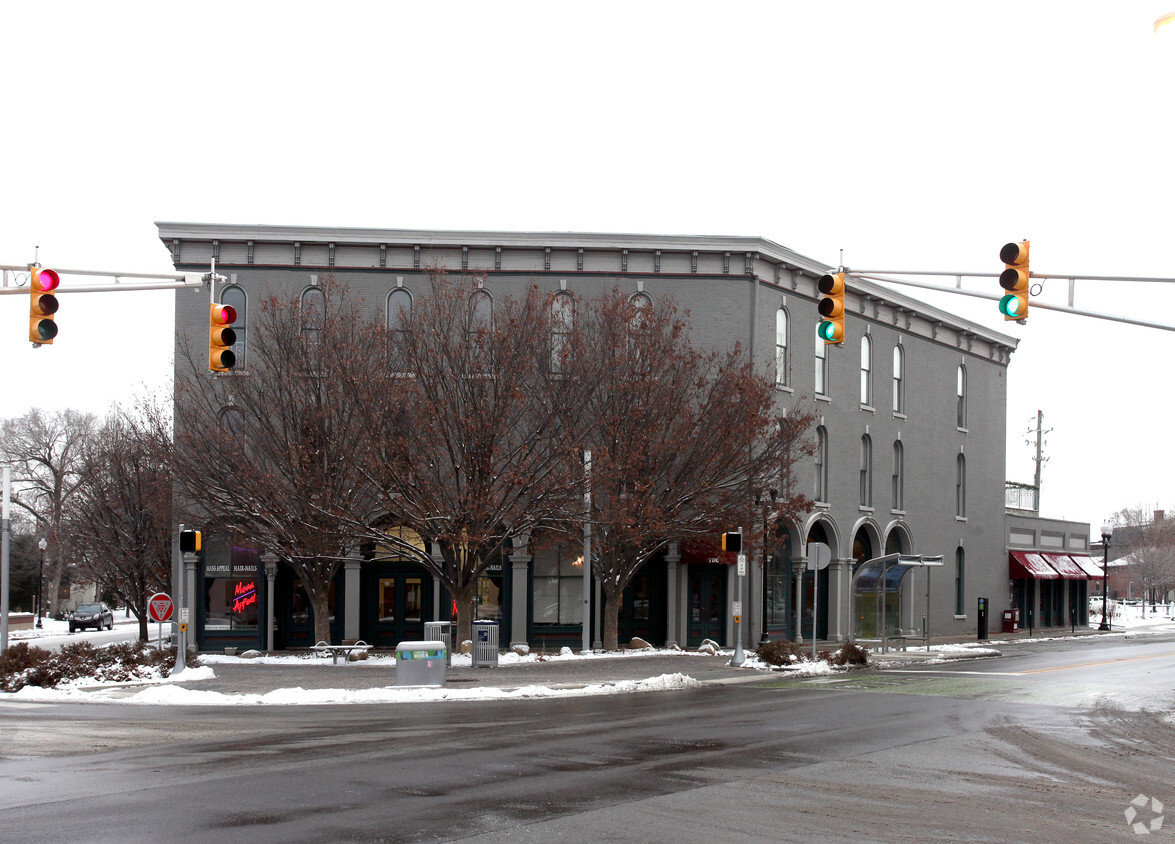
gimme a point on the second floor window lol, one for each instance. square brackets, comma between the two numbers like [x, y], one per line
[821, 365]
[899, 393]
[867, 371]
[313, 313]
[866, 471]
[781, 347]
[899, 459]
[562, 316]
[961, 397]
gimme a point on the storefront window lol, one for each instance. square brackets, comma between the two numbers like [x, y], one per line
[301, 614]
[230, 586]
[489, 594]
[558, 585]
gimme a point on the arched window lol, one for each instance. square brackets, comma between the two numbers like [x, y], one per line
[399, 309]
[562, 319]
[866, 370]
[313, 313]
[866, 471]
[960, 582]
[481, 324]
[821, 464]
[961, 486]
[899, 459]
[899, 387]
[961, 393]
[234, 296]
[781, 347]
[232, 420]
[821, 365]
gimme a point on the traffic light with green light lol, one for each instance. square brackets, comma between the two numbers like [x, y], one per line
[1014, 279]
[832, 308]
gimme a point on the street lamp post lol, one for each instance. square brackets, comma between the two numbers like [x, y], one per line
[772, 495]
[43, 544]
[1107, 532]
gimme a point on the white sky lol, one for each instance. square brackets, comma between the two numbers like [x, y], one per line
[910, 135]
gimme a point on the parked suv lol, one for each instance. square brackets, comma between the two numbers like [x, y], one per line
[97, 615]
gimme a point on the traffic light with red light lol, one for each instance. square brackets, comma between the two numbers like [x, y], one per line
[42, 305]
[832, 308]
[221, 337]
[1014, 279]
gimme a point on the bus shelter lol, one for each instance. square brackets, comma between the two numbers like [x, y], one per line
[877, 592]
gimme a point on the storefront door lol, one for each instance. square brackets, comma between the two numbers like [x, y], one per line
[397, 601]
[707, 604]
[643, 606]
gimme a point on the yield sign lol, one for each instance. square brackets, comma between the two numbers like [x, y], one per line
[159, 607]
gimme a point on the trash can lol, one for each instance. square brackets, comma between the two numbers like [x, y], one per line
[1012, 621]
[421, 663]
[485, 644]
[441, 631]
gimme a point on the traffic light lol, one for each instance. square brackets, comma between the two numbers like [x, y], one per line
[221, 336]
[832, 308]
[1014, 279]
[42, 305]
[732, 542]
[190, 541]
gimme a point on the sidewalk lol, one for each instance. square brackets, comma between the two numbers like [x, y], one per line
[261, 675]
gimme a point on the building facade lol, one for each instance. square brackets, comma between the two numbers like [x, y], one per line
[910, 431]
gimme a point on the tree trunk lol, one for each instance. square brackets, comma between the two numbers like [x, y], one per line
[611, 620]
[463, 596]
[320, 606]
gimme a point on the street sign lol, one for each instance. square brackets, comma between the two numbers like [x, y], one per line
[738, 608]
[742, 564]
[819, 556]
[184, 615]
[159, 607]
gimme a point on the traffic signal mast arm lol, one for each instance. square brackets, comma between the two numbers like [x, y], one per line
[886, 277]
[164, 281]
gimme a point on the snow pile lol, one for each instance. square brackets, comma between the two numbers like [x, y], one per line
[175, 695]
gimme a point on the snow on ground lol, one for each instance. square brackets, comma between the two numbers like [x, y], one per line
[1126, 619]
[176, 695]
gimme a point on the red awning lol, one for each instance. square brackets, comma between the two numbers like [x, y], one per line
[1022, 564]
[1066, 567]
[1088, 565]
[709, 550]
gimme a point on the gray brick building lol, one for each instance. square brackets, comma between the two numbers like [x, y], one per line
[911, 415]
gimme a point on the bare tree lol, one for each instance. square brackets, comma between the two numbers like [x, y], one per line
[46, 451]
[468, 446]
[681, 438]
[120, 517]
[269, 454]
[1148, 537]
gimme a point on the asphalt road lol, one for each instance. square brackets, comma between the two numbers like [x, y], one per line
[1051, 741]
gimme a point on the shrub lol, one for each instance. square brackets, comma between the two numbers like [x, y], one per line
[22, 666]
[848, 654]
[779, 653]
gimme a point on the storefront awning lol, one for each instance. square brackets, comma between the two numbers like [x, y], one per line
[707, 550]
[1028, 564]
[1066, 567]
[1088, 565]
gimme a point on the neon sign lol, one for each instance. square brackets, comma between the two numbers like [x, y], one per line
[244, 595]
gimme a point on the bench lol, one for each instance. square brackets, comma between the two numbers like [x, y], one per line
[344, 650]
[897, 639]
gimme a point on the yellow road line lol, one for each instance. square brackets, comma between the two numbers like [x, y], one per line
[1097, 662]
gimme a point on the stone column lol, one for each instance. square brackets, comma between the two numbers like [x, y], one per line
[270, 561]
[673, 605]
[799, 567]
[520, 557]
[351, 597]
